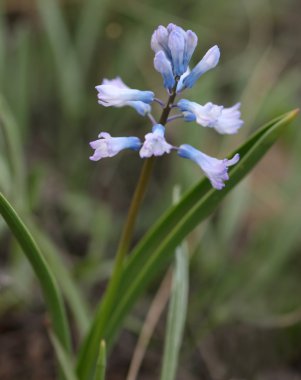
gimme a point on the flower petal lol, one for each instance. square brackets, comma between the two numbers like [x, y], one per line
[216, 170]
[155, 143]
[208, 62]
[107, 146]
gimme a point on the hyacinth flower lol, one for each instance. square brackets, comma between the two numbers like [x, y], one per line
[223, 120]
[155, 143]
[208, 62]
[108, 146]
[117, 94]
[142, 107]
[216, 170]
[173, 47]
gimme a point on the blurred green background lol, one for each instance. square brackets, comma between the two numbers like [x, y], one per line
[245, 304]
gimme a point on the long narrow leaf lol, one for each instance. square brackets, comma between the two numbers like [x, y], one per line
[101, 362]
[170, 218]
[47, 281]
[65, 363]
[155, 251]
[250, 155]
[176, 314]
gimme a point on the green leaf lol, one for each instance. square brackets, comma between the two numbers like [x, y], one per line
[72, 293]
[48, 283]
[155, 250]
[176, 314]
[170, 218]
[193, 209]
[101, 362]
[66, 365]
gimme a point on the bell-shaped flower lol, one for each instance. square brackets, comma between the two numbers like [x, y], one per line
[216, 170]
[163, 65]
[208, 62]
[223, 120]
[117, 94]
[108, 146]
[177, 44]
[155, 143]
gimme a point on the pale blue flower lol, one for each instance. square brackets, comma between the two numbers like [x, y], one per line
[177, 45]
[173, 47]
[216, 170]
[223, 120]
[117, 94]
[163, 65]
[155, 143]
[208, 62]
[107, 146]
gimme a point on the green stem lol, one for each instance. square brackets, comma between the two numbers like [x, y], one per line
[137, 199]
[88, 350]
[140, 190]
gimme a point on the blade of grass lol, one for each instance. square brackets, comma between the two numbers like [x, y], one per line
[206, 204]
[172, 216]
[65, 364]
[101, 362]
[250, 155]
[176, 314]
[47, 281]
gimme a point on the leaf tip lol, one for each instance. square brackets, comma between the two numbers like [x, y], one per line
[294, 113]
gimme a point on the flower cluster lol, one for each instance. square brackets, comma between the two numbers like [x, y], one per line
[173, 49]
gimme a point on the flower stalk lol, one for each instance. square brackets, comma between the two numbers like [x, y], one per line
[111, 292]
[139, 192]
